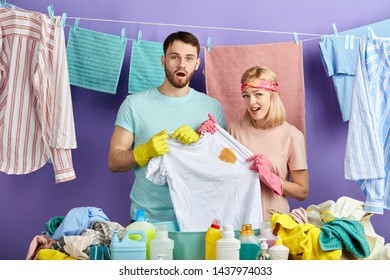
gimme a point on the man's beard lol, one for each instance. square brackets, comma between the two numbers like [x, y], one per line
[178, 84]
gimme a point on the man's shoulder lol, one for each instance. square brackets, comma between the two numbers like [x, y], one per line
[140, 95]
[202, 95]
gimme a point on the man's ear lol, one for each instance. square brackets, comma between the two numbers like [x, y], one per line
[163, 61]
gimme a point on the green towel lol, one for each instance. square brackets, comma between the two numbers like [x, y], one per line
[344, 234]
[146, 70]
[95, 59]
[53, 224]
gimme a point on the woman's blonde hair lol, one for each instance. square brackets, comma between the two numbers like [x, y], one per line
[277, 113]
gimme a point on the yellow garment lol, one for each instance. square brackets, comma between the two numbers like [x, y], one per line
[186, 135]
[51, 254]
[156, 146]
[301, 238]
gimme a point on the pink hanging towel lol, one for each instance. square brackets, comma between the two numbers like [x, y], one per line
[224, 66]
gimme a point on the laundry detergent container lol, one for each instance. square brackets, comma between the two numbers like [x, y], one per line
[189, 245]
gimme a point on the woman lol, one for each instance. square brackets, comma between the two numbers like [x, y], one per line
[279, 149]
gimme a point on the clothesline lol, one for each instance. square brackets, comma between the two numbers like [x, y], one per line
[316, 36]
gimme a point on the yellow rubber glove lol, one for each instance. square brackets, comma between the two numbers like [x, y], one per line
[156, 146]
[186, 135]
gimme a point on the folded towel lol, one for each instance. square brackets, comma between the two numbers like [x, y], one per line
[95, 59]
[344, 234]
[145, 66]
[225, 65]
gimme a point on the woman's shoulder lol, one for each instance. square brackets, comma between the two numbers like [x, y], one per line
[291, 128]
[237, 124]
[292, 132]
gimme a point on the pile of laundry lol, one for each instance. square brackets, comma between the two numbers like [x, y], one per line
[84, 233]
[330, 231]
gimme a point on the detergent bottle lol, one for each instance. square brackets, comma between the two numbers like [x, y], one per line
[161, 247]
[142, 224]
[249, 244]
[279, 251]
[212, 235]
[128, 249]
[263, 254]
[228, 247]
[266, 232]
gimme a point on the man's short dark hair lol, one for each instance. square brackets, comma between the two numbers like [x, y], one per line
[185, 37]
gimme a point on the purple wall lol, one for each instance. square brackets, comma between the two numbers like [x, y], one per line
[27, 202]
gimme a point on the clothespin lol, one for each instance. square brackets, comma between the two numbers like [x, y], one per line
[76, 23]
[370, 33]
[335, 29]
[63, 20]
[139, 37]
[352, 42]
[296, 38]
[208, 44]
[346, 44]
[123, 35]
[50, 9]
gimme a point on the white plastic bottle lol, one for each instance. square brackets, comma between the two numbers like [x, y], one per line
[142, 224]
[279, 251]
[161, 247]
[266, 232]
[263, 254]
[228, 247]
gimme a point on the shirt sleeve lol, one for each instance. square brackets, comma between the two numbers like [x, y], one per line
[297, 159]
[156, 171]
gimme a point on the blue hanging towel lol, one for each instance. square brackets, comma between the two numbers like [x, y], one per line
[95, 59]
[146, 70]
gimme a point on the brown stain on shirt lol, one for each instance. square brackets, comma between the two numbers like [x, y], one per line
[227, 155]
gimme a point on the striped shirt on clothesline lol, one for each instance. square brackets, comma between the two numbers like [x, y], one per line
[36, 114]
[367, 158]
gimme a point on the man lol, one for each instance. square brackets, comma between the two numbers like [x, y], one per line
[146, 119]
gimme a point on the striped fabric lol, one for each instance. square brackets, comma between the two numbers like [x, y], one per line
[95, 59]
[103, 231]
[367, 158]
[36, 114]
[146, 70]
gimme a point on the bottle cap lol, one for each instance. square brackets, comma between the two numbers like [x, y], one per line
[216, 224]
[140, 216]
[115, 237]
[246, 229]
[228, 227]
[162, 231]
[263, 243]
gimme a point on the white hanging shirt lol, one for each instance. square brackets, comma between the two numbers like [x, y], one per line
[209, 179]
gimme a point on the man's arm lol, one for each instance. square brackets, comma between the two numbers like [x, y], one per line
[120, 155]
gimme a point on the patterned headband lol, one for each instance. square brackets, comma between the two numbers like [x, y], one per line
[263, 84]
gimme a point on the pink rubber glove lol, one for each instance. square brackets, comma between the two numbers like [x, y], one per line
[208, 125]
[260, 165]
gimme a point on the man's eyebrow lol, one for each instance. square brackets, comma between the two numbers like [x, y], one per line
[176, 53]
